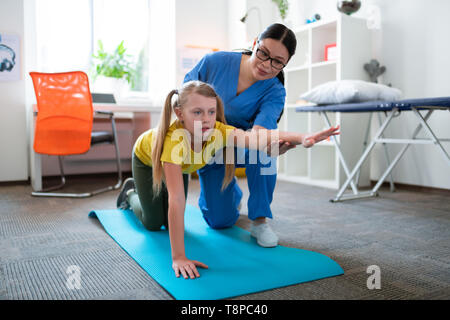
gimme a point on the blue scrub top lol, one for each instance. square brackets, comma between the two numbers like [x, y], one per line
[260, 104]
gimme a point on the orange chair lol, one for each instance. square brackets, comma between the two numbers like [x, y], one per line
[64, 123]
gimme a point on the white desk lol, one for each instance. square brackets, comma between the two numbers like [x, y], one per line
[128, 107]
[142, 117]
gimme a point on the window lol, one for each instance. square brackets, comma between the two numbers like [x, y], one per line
[63, 35]
[117, 20]
[68, 33]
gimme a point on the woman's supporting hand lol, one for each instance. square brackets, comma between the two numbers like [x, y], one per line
[311, 139]
[187, 268]
[279, 147]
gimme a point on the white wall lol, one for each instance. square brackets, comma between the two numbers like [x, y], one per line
[261, 13]
[13, 134]
[202, 23]
[413, 45]
[162, 59]
[237, 37]
[415, 53]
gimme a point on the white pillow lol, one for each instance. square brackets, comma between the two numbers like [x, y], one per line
[344, 91]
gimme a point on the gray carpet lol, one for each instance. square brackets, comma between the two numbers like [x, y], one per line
[406, 234]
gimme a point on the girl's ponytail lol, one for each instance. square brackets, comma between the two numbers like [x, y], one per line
[229, 167]
[158, 142]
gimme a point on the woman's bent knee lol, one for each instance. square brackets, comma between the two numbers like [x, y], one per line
[220, 224]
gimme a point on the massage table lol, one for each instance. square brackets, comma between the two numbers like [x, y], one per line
[391, 109]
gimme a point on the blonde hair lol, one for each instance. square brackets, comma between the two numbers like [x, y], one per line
[188, 88]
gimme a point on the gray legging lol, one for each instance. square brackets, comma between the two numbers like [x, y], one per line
[151, 211]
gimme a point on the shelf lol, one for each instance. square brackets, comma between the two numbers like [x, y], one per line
[297, 121]
[320, 165]
[299, 68]
[296, 84]
[322, 24]
[324, 163]
[314, 65]
[323, 72]
[323, 35]
[302, 56]
[296, 161]
[323, 64]
[317, 123]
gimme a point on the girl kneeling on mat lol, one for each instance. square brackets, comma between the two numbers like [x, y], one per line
[158, 190]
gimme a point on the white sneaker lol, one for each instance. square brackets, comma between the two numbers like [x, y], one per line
[264, 235]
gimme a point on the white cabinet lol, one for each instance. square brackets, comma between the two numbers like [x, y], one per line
[320, 164]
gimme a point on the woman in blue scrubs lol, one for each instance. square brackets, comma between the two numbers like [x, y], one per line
[251, 85]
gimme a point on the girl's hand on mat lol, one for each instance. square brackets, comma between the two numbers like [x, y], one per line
[311, 139]
[187, 268]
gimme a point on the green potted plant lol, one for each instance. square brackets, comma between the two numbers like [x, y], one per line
[283, 7]
[112, 71]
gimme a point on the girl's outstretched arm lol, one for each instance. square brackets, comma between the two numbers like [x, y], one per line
[260, 139]
[311, 139]
[177, 204]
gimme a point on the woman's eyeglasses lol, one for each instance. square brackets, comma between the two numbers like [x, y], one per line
[264, 56]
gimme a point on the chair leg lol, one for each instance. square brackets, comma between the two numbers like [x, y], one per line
[119, 168]
[46, 193]
[116, 147]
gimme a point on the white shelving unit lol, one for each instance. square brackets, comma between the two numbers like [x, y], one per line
[320, 164]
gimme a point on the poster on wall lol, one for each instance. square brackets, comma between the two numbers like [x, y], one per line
[190, 55]
[9, 57]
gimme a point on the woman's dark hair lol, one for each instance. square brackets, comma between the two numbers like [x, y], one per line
[278, 31]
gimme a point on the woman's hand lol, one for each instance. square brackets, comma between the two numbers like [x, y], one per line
[276, 148]
[187, 268]
[279, 147]
[311, 139]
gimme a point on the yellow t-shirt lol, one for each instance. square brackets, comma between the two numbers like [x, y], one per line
[177, 147]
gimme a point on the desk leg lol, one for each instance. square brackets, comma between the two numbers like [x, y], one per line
[35, 160]
[36, 172]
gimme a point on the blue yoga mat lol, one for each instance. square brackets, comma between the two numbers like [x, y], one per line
[237, 265]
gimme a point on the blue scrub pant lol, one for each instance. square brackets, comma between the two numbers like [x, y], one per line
[219, 207]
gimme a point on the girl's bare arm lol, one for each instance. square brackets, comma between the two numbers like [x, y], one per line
[260, 139]
[177, 204]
